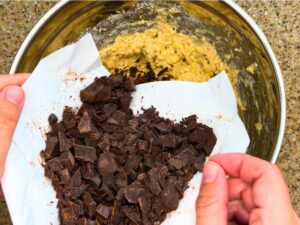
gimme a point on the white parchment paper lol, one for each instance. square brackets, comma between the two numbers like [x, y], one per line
[56, 82]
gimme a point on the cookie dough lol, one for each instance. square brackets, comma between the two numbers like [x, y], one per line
[170, 54]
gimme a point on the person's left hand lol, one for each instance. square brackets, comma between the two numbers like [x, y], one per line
[11, 102]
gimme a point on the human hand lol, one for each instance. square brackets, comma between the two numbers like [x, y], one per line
[11, 102]
[241, 189]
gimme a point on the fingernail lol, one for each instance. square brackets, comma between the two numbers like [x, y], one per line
[210, 172]
[14, 95]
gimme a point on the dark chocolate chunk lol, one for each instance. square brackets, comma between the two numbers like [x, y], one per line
[89, 204]
[125, 102]
[149, 160]
[121, 179]
[69, 118]
[198, 136]
[65, 176]
[189, 123]
[210, 142]
[169, 195]
[67, 159]
[85, 153]
[145, 204]
[134, 191]
[52, 119]
[64, 143]
[115, 214]
[68, 217]
[132, 213]
[51, 145]
[153, 184]
[76, 178]
[168, 140]
[98, 91]
[200, 161]
[55, 164]
[162, 127]
[86, 124]
[71, 192]
[85, 221]
[103, 211]
[117, 118]
[142, 145]
[93, 138]
[110, 167]
[109, 108]
[182, 159]
[133, 162]
[117, 80]
[130, 139]
[129, 85]
[75, 208]
[107, 164]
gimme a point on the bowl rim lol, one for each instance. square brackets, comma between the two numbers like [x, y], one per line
[261, 36]
[230, 3]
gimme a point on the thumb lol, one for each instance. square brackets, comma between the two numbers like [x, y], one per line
[11, 102]
[211, 206]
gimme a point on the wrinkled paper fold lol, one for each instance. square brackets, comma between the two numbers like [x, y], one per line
[56, 83]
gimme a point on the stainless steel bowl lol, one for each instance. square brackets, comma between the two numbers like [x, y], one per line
[224, 24]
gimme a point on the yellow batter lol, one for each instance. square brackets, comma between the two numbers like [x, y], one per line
[185, 57]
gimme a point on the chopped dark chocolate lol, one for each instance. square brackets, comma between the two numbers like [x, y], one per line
[115, 213]
[162, 127]
[64, 145]
[85, 153]
[55, 164]
[76, 178]
[168, 140]
[134, 191]
[103, 211]
[85, 221]
[52, 119]
[210, 142]
[132, 213]
[86, 124]
[121, 179]
[169, 195]
[111, 167]
[51, 145]
[145, 204]
[106, 164]
[89, 205]
[65, 176]
[98, 91]
[68, 217]
[67, 159]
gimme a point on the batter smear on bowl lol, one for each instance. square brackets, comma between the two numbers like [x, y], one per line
[109, 166]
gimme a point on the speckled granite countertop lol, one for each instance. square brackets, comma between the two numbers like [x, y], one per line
[280, 21]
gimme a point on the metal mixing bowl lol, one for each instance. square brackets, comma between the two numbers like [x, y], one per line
[224, 24]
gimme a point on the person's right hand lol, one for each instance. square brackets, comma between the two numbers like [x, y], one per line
[241, 189]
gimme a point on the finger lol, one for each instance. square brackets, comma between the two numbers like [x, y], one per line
[243, 166]
[11, 102]
[263, 176]
[235, 188]
[240, 190]
[232, 223]
[269, 191]
[237, 212]
[211, 206]
[16, 79]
